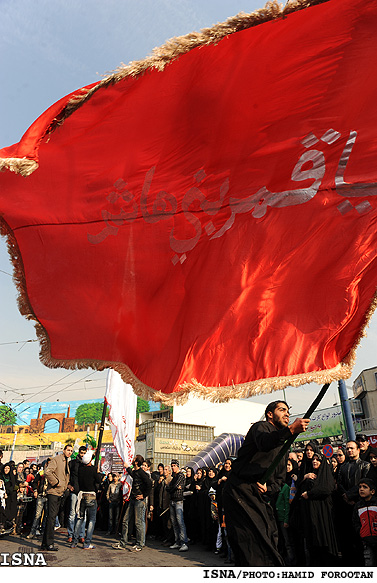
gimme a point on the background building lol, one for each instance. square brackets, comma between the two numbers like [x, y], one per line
[160, 441]
[365, 392]
[236, 416]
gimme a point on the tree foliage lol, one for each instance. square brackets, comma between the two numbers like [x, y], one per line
[88, 413]
[142, 406]
[7, 415]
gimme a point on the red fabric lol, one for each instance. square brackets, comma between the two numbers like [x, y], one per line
[145, 235]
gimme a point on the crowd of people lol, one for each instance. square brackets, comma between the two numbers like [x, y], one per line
[325, 509]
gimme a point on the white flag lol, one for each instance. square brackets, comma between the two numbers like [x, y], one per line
[122, 403]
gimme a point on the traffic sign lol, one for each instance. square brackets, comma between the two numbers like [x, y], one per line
[328, 450]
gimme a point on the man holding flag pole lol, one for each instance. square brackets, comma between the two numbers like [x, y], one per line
[247, 497]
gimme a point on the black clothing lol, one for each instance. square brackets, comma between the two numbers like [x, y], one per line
[88, 478]
[294, 472]
[312, 519]
[141, 483]
[306, 463]
[188, 504]
[372, 474]
[74, 468]
[40, 484]
[249, 516]
[220, 484]
[262, 442]
[53, 505]
[349, 476]
[208, 527]
[176, 487]
[364, 455]
[11, 491]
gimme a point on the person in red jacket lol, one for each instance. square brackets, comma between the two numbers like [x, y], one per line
[365, 520]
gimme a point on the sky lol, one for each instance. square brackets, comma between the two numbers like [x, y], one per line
[49, 48]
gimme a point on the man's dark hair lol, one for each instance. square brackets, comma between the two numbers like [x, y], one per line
[82, 448]
[355, 442]
[272, 406]
[138, 459]
[68, 445]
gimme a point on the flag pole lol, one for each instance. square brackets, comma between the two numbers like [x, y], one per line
[101, 429]
[291, 439]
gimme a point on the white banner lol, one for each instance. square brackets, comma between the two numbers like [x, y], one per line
[122, 403]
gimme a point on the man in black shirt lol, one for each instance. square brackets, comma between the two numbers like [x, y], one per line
[349, 476]
[74, 488]
[249, 517]
[141, 488]
[176, 488]
[88, 481]
[365, 446]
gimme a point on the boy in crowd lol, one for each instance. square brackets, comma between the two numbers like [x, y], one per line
[365, 520]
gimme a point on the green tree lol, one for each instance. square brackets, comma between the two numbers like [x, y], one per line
[163, 407]
[142, 406]
[88, 413]
[7, 415]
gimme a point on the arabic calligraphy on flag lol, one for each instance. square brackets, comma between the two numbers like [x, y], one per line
[213, 219]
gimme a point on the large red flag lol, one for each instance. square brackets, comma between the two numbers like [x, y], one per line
[205, 220]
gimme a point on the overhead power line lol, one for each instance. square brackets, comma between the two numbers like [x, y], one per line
[18, 342]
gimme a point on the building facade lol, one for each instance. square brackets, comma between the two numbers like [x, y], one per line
[365, 390]
[160, 441]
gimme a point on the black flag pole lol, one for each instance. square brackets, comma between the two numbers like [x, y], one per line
[291, 439]
[101, 429]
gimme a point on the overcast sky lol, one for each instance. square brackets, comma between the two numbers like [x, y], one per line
[49, 48]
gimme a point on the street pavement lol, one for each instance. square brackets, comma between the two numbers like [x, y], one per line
[103, 555]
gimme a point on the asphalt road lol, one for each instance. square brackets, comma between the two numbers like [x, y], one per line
[13, 548]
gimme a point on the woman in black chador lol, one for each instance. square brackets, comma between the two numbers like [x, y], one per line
[10, 484]
[208, 528]
[312, 516]
[306, 465]
[199, 478]
[188, 511]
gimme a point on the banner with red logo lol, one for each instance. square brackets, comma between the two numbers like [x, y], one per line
[205, 220]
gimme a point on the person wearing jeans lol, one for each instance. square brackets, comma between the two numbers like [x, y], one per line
[114, 498]
[136, 510]
[87, 512]
[73, 486]
[176, 488]
[141, 488]
[89, 480]
[40, 485]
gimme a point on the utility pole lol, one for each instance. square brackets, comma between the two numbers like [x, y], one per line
[346, 408]
[13, 444]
